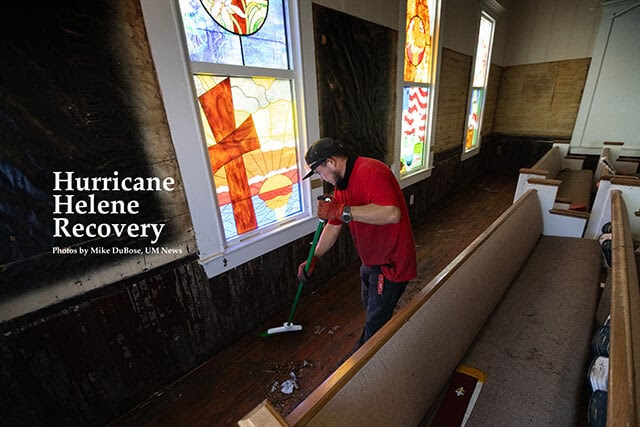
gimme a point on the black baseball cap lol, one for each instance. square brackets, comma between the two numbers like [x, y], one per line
[320, 151]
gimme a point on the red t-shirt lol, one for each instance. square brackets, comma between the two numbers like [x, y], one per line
[390, 246]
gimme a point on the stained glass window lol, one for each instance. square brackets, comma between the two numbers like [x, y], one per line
[479, 82]
[251, 140]
[210, 36]
[419, 41]
[473, 121]
[248, 121]
[419, 58]
[415, 101]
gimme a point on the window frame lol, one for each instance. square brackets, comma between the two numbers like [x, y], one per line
[466, 154]
[427, 168]
[175, 72]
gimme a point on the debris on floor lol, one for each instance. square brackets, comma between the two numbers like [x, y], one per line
[288, 385]
[287, 382]
[320, 329]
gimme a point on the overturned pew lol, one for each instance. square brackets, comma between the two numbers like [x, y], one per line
[398, 376]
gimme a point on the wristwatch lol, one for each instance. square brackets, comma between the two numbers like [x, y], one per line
[346, 214]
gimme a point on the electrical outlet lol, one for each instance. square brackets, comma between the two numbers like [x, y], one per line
[411, 200]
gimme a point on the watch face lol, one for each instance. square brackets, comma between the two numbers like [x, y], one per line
[346, 214]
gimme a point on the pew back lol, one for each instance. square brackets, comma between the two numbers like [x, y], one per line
[601, 212]
[397, 375]
[623, 404]
[550, 162]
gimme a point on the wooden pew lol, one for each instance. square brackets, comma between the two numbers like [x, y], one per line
[574, 183]
[623, 403]
[561, 182]
[396, 377]
[601, 212]
[263, 415]
[557, 221]
[614, 171]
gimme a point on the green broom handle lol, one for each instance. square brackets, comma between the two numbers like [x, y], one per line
[312, 251]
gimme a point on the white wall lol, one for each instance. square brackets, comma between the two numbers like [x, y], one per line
[611, 98]
[460, 24]
[551, 30]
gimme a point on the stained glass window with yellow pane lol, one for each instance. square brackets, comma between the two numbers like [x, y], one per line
[419, 59]
[248, 121]
[479, 82]
[251, 140]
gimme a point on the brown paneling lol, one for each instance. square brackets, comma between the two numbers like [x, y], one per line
[540, 99]
[452, 100]
[89, 359]
[449, 176]
[504, 154]
[453, 97]
[491, 100]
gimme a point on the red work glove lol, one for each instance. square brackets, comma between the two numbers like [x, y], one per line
[329, 208]
[304, 275]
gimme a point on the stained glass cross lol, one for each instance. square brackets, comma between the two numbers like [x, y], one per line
[232, 143]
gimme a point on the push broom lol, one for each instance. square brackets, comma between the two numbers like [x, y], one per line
[288, 326]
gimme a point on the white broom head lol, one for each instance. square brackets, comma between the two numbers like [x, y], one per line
[286, 327]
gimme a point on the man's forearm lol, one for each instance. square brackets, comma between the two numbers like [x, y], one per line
[376, 214]
[327, 238]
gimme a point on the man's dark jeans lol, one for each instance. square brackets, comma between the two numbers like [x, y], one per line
[378, 300]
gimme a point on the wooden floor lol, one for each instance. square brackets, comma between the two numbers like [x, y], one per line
[235, 380]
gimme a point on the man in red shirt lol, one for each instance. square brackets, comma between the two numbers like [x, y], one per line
[370, 201]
